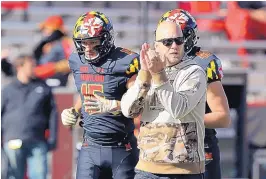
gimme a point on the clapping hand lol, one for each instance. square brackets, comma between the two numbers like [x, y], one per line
[144, 57]
[153, 61]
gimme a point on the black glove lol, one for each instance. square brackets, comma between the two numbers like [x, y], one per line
[56, 35]
[37, 53]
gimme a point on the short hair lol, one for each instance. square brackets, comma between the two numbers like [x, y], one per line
[20, 60]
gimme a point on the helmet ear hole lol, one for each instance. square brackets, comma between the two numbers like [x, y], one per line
[191, 39]
[78, 46]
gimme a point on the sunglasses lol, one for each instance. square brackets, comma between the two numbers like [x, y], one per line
[170, 41]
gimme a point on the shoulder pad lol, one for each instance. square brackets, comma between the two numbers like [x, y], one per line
[73, 60]
[129, 60]
[203, 58]
[211, 64]
[125, 54]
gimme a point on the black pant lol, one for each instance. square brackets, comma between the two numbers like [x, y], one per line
[4, 164]
[213, 168]
[95, 159]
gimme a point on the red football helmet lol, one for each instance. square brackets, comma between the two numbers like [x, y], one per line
[94, 25]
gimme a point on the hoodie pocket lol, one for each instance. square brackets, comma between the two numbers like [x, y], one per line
[168, 143]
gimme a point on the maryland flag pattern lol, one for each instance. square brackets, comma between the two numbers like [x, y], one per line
[211, 64]
[214, 72]
[133, 67]
[91, 24]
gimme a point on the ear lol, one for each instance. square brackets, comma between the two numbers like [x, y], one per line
[156, 47]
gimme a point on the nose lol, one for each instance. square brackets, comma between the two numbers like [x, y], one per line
[174, 45]
[88, 47]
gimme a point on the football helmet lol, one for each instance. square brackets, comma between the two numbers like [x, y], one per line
[94, 25]
[188, 25]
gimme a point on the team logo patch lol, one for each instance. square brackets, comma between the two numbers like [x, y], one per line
[92, 26]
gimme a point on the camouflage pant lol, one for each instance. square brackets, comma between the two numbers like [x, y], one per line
[146, 175]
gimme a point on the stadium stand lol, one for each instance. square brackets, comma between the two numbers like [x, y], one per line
[20, 35]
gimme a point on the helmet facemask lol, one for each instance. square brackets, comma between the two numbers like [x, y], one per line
[106, 42]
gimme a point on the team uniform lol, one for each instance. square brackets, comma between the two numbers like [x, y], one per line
[109, 142]
[213, 67]
[101, 72]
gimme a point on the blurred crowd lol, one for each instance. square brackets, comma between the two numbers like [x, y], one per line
[28, 110]
[240, 20]
[50, 54]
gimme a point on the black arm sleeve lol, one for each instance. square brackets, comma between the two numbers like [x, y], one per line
[7, 67]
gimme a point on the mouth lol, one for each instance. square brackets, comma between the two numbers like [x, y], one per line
[90, 53]
[174, 53]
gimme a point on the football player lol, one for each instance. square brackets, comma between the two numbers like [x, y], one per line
[217, 110]
[102, 74]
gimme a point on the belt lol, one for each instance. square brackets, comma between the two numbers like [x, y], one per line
[87, 141]
[122, 142]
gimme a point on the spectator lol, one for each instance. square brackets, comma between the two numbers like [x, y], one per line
[42, 71]
[54, 47]
[246, 21]
[4, 163]
[257, 10]
[28, 110]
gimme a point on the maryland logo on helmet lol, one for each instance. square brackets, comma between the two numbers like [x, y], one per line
[178, 16]
[91, 24]
[188, 25]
